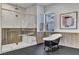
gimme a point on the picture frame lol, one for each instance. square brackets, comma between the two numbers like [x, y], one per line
[68, 20]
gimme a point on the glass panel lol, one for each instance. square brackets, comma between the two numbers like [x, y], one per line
[28, 31]
[40, 23]
[18, 29]
[50, 22]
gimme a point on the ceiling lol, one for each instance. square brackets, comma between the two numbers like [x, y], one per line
[45, 4]
[26, 5]
[22, 5]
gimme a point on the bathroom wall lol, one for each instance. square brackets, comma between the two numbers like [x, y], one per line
[70, 36]
[31, 10]
[63, 8]
[70, 40]
[0, 29]
[26, 17]
[30, 17]
[9, 17]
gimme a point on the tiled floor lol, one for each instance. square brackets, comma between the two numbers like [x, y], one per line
[39, 50]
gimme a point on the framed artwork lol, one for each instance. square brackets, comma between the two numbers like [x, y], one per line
[68, 20]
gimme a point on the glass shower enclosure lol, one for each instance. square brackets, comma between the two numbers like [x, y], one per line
[17, 28]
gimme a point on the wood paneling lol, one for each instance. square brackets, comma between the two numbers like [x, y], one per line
[70, 40]
[10, 36]
[14, 35]
[39, 37]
